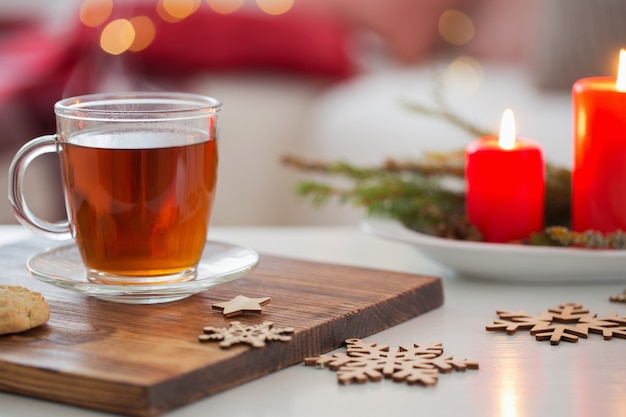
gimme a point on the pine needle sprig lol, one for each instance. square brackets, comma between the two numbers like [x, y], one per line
[432, 165]
[441, 110]
[444, 114]
[411, 193]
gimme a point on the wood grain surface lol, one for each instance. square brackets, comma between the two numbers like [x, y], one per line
[143, 360]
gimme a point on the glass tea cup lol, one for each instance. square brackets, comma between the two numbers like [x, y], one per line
[139, 177]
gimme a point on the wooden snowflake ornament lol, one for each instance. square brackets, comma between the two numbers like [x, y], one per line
[619, 298]
[416, 364]
[240, 305]
[254, 335]
[568, 322]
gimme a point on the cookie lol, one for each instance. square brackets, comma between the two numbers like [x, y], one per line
[21, 309]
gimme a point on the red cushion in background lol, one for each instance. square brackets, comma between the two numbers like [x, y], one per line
[28, 56]
[309, 44]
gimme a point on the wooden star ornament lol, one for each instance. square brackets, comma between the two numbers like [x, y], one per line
[240, 305]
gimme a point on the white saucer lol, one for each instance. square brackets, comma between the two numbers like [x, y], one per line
[508, 262]
[221, 262]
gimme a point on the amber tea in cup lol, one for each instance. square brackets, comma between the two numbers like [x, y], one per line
[139, 176]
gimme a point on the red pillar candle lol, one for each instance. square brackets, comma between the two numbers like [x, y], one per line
[505, 185]
[599, 174]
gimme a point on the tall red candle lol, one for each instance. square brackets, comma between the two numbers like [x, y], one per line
[599, 174]
[505, 186]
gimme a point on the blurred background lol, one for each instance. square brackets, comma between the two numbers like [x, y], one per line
[322, 79]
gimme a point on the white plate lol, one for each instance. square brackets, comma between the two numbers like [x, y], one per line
[508, 262]
[221, 262]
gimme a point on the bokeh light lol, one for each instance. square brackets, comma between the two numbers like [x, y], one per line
[137, 33]
[117, 36]
[456, 27]
[93, 13]
[145, 31]
[275, 7]
[464, 74]
[176, 10]
[225, 6]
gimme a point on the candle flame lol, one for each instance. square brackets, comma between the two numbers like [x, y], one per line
[621, 72]
[507, 130]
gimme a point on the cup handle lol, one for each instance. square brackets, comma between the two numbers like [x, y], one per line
[31, 150]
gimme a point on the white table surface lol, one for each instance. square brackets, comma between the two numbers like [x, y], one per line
[518, 376]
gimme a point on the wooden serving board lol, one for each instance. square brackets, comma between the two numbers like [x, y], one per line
[143, 360]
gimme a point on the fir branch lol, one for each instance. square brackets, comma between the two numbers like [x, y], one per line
[338, 168]
[411, 193]
[433, 165]
[442, 111]
[320, 194]
[446, 115]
